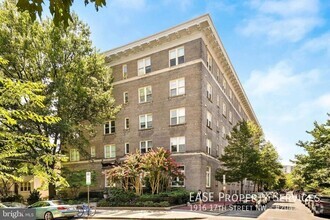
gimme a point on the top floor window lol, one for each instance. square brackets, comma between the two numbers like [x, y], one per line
[125, 71]
[145, 94]
[144, 66]
[176, 56]
[125, 97]
[230, 94]
[209, 61]
[208, 119]
[177, 87]
[224, 109]
[109, 127]
[224, 84]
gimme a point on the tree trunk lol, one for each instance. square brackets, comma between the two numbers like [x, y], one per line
[51, 190]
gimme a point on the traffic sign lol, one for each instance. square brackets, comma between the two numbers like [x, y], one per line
[88, 178]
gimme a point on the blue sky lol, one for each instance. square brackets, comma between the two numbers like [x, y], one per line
[279, 48]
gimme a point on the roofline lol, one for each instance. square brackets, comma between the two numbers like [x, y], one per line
[182, 26]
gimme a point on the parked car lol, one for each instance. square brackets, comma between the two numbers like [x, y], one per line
[304, 196]
[308, 199]
[321, 205]
[14, 205]
[53, 209]
[262, 197]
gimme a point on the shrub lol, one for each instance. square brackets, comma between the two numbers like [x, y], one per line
[118, 196]
[150, 197]
[103, 203]
[13, 198]
[92, 194]
[34, 197]
[164, 204]
[148, 204]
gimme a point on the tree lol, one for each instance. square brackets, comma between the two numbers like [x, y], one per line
[78, 84]
[155, 166]
[240, 157]
[60, 10]
[23, 152]
[312, 169]
[269, 168]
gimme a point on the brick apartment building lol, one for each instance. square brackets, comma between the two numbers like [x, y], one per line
[178, 90]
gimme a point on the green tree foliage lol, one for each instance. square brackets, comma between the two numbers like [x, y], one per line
[156, 167]
[240, 157]
[34, 197]
[60, 10]
[248, 156]
[77, 83]
[312, 169]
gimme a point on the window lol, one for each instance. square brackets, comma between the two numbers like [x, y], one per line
[125, 97]
[176, 56]
[74, 155]
[179, 181]
[177, 87]
[218, 101]
[93, 152]
[239, 109]
[208, 146]
[209, 120]
[178, 116]
[126, 123]
[224, 110]
[230, 117]
[209, 61]
[178, 144]
[25, 187]
[145, 146]
[230, 94]
[125, 71]
[208, 176]
[145, 121]
[110, 127]
[209, 91]
[145, 94]
[126, 148]
[223, 132]
[218, 74]
[224, 84]
[144, 66]
[107, 182]
[109, 151]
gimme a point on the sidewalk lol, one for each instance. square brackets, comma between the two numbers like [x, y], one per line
[146, 214]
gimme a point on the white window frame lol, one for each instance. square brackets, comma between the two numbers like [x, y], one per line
[209, 61]
[209, 91]
[145, 95]
[126, 123]
[124, 71]
[218, 101]
[111, 124]
[25, 187]
[224, 109]
[176, 85]
[180, 115]
[147, 119]
[230, 94]
[208, 177]
[230, 117]
[144, 66]
[208, 119]
[177, 179]
[124, 97]
[147, 146]
[218, 74]
[223, 132]
[74, 155]
[179, 143]
[208, 146]
[126, 148]
[111, 151]
[176, 56]
[93, 151]
[224, 83]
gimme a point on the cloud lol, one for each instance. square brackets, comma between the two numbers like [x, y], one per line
[321, 43]
[289, 20]
[278, 78]
[323, 102]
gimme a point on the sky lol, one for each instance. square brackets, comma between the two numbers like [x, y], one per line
[280, 50]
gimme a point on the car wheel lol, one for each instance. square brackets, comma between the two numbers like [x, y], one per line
[48, 216]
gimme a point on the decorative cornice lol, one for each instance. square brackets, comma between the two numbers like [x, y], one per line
[202, 24]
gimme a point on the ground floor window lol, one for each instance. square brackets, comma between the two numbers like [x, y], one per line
[179, 181]
[25, 187]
